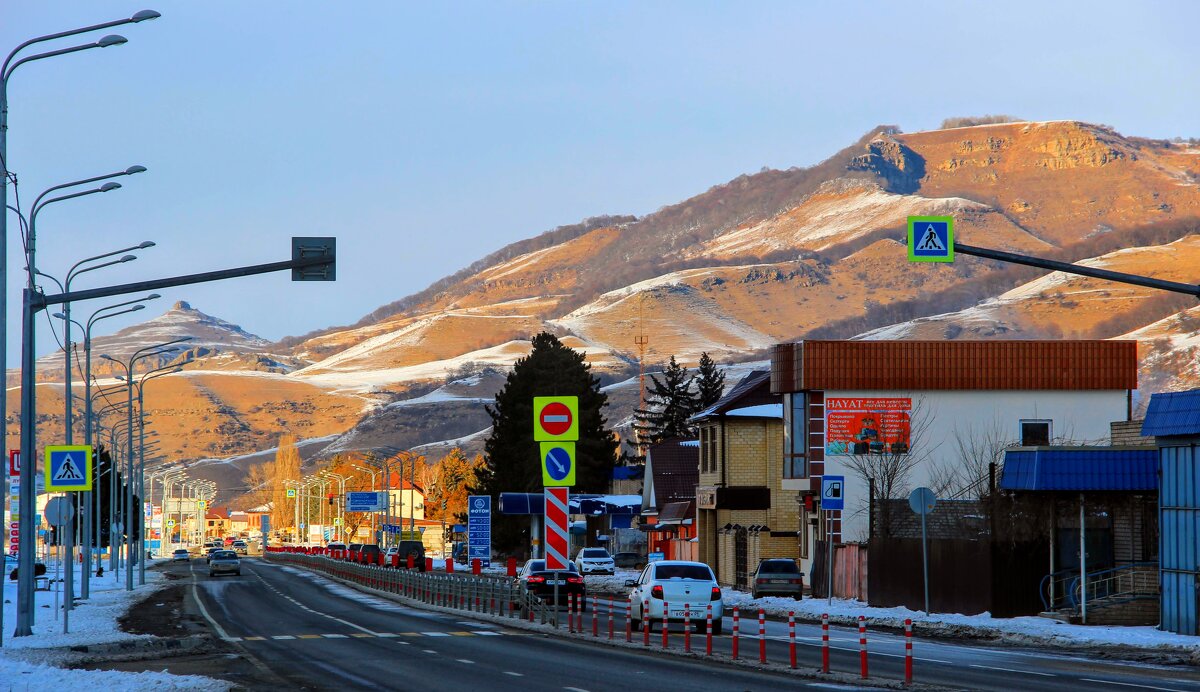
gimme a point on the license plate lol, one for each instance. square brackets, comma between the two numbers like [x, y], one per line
[684, 613]
[555, 582]
[778, 581]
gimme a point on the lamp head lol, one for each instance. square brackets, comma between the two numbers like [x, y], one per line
[60, 316]
[144, 15]
[128, 258]
[145, 244]
[138, 307]
[105, 356]
[109, 187]
[135, 169]
[153, 296]
[111, 40]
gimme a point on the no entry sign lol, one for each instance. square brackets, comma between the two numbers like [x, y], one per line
[555, 418]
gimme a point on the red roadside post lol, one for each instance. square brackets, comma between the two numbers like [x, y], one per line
[825, 643]
[610, 618]
[596, 616]
[409, 560]
[646, 622]
[629, 621]
[908, 627]
[666, 630]
[762, 636]
[449, 566]
[512, 567]
[862, 645]
[708, 631]
[687, 628]
[792, 637]
[476, 567]
[735, 633]
[428, 564]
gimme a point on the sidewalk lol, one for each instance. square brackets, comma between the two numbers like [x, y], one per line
[31, 663]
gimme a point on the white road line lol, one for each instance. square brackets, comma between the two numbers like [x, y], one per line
[1131, 684]
[335, 636]
[465, 660]
[388, 634]
[429, 651]
[283, 636]
[1014, 670]
[436, 634]
[487, 634]
[515, 675]
[574, 689]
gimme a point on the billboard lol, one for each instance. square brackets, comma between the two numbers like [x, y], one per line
[867, 425]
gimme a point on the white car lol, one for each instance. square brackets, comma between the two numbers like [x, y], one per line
[684, 587]
[595, 561]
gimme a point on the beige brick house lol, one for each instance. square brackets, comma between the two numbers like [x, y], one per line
[749, 507]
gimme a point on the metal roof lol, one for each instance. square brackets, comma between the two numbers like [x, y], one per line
[954, 365]
[1081, 469]
[1173, 413]
[753, 390]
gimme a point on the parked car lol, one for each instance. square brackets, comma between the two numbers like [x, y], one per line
[778, 577]
[595, 561]
[334, 545]
[224, 562]
[540, 582]
[209, 553]
[368, 554]
[629, 560]
[405, 548]
[181, 555]
[682, 587]
[352, 551]
[240, 547]
[214, 543]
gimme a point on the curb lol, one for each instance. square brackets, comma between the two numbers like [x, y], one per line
[137, 649]
[806, 673]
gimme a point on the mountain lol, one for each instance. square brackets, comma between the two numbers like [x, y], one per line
[769, 257]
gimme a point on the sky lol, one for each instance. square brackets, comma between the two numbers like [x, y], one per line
[426, 135]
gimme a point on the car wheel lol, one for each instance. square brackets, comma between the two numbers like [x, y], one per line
[212, 573]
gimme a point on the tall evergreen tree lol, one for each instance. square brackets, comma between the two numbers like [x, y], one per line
[670, 403]
[710, 382]
[513, 459]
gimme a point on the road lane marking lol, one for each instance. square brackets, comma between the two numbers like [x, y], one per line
[436, 634]
[283, 636]
[465, 660]
[310, 636]
[411, 634]
[359, 635]
[429, 651]
[462, 634]
[1014, 670]
[487, 634]
[232, 639]
[335, 636]
[1131, 684]
[254, 639]
[574, 689]
[388, 634]
[515, 675]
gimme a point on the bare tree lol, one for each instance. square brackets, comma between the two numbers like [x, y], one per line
[977, 447]
[888, 474]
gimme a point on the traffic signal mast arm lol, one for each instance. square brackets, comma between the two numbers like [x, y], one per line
[1121, 277]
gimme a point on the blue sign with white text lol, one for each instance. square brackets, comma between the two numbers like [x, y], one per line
[833, 492]
[479, 528]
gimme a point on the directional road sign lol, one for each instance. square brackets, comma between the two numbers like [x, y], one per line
[931, 238]
[69, 468]
[558, 464]
[556, 529]
[555, 418]
[833, 492]
[366, 501]
[479, 528]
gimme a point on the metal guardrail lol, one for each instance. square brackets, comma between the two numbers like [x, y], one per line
[1126, 582]
[484, 593]
[1054, 589]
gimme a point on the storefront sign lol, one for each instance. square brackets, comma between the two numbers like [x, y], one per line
[706, 497]
[867, 425]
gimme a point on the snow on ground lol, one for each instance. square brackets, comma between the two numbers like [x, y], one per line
[29, 663]
[1031, 630]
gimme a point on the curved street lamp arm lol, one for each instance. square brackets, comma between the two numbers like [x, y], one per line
[48, 54]
[71, 273]
[138, 17]
[38, 207]
[39, 272]
[96, 316]
[99, 266]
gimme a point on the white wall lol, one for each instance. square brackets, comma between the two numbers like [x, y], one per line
[1079, 417]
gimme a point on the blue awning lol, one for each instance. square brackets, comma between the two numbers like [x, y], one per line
[1081, 469]
[1173, 413]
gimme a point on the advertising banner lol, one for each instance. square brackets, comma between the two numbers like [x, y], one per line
[867, 425]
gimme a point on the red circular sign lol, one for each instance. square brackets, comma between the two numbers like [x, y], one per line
[555, 418]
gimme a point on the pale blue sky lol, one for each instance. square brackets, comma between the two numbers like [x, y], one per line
[425, 135]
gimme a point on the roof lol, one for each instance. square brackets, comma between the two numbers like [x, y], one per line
[1080, 469]
[676, 471]
[954, 365]
[1173, 413]
[752, 391]
[677, 512]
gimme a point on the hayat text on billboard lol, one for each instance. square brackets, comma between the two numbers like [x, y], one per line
[867, 426]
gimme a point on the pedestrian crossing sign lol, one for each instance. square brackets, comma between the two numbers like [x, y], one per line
[68, 468]
[931, 239]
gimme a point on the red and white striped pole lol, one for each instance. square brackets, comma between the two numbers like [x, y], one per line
[708, 631]
[687, 628]
[646, 622]
[610, 618]
[666, 631]
[595, 616]
[862, 645]
[762, 636]
[735, 633]
[792, 637]
[825, 643]
[629, 621]
[908, 652]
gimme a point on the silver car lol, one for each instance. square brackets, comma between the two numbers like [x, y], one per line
[595, 561]
[224, 562]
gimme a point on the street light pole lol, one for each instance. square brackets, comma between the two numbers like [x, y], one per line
[25, 558]
[165, 370]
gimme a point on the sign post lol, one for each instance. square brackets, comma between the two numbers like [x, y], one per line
[922, 501]
[479, 530]
[556, 427]
[833, 497]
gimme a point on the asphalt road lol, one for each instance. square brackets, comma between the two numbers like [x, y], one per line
[317, 634]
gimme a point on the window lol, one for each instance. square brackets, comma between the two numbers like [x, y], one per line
[708, 449]
[1035, 433]
[795, 435]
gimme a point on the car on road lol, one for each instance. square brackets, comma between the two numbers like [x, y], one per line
[208, 554]
[181, 555]
[240, 547]
[540, 582]
[778, 577]
[369, 553]
[352, 551]
[629, 560]
[668, 590]
[595, 561]
[334, 545]
[405, 548]
[224, 562]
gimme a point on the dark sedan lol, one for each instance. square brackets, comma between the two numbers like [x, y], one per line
[778, 577]
[540, 582]
[224, 562]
